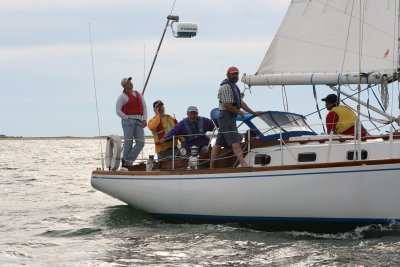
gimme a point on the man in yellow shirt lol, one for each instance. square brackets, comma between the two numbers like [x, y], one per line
[340, 119]
[159, 125]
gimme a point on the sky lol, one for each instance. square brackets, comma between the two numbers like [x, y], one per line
[49, 86]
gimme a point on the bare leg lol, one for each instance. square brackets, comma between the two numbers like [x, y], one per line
[214, 153]
[237, 150]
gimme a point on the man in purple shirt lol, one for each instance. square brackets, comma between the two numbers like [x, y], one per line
[194, 129]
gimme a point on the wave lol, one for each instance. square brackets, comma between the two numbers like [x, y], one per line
[71, 233]
[363, 232]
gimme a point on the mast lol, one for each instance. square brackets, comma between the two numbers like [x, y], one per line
[360, 52]
[169, 18]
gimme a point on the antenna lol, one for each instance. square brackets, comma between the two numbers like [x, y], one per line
[95, 96]
[184, 30]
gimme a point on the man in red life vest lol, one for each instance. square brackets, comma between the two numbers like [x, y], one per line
[340, 119]
[131, 108]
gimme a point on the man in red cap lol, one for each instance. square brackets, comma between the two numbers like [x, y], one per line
[230, 105]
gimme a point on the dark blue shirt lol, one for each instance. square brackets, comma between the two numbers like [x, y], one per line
[200, 141]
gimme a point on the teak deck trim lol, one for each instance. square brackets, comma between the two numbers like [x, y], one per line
[249, 169]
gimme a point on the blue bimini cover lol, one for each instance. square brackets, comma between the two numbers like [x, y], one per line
[271, 124]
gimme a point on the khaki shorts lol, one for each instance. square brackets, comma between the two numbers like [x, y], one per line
[227, 132]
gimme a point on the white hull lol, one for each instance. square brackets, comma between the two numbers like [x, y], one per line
[365, 193]
[296, 175]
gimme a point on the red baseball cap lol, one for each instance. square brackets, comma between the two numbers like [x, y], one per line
[232, 70]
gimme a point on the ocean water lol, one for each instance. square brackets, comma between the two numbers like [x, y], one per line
[51, 216]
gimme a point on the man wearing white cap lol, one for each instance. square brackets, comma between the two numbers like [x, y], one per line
[132, 110]
[193, 128]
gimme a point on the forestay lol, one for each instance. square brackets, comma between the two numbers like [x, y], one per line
[323, 42]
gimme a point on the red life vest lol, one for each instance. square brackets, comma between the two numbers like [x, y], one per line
[134, 106]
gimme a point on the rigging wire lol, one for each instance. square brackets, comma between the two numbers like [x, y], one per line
[172, 9]
[382, 107]
[357, 127]
[144, 78]
[317, 106]
[95, 96]
[381, 121]
[144, 63]
[312, 113]
[361, 36]
[347, 36]
[173, 6]
[396, 35]
[395, 39]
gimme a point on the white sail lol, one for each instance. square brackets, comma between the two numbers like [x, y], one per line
[323, 42]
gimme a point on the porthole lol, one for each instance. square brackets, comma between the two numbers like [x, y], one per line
[262, 159]
[307, 157]
[350, 155]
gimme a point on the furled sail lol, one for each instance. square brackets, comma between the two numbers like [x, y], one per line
[323, 42]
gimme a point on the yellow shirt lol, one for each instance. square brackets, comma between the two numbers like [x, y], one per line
[159, 126]
[347, 118]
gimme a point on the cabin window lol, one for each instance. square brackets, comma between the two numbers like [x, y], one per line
[350, 154]
[262, 159]
[307, 157]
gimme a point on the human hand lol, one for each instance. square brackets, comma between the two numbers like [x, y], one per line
[158, 110]
[241, 114]
[258, 113]
[144, 123]
[159, 142]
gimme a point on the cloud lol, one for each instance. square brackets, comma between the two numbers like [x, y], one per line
[45, 57]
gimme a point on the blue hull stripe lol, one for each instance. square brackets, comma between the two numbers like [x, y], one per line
[272, 219]
[181, 177]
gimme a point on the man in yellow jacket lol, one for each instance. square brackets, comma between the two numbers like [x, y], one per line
[340, 119]
[160, 125]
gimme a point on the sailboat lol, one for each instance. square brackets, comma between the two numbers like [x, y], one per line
[297, 179]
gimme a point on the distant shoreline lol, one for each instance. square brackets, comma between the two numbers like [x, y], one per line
[57, 138]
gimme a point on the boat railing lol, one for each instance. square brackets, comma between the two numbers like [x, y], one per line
[247, 146]
[283, 145]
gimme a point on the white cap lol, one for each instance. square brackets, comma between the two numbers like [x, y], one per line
[192, 108]
[125, 80]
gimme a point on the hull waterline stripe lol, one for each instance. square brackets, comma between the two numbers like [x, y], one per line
[182, 177]
[281, 219]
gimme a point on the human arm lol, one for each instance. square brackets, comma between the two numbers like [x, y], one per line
[227, 100]
[208, 125]
[121, 101]
[178, 129]
[232, 109]
[154, 122]
[246, 108]
[331, 120]
[144, 106]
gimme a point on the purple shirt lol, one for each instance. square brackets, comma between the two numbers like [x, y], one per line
[199, 141]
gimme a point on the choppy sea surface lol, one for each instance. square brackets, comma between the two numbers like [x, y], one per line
[51, 216]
